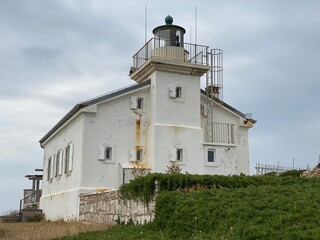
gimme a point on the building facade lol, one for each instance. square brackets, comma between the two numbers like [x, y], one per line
[166, 117]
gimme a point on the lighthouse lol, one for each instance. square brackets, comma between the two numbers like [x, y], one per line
[164, 118]
[174, 69]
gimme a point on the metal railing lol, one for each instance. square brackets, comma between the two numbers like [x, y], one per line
[193, 53]
[30, 200]
[221, 133]
[268, 168]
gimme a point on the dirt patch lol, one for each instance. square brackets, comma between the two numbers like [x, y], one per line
[45, 230]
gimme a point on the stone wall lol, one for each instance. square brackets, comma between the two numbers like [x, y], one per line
[106, 207]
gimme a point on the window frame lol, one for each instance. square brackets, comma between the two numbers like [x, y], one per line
[216, 154]
[139, 155]
[102, 154]
[66, 159]
[56, 170]
[213, 151]
[69, 158]
[50, 172]
[106, 157]
[179, 155]
[178, 92]
[139, 103]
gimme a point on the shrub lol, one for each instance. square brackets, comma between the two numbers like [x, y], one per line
[144, 188]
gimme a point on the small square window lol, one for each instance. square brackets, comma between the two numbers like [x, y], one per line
[179, 154]
[211, 156]
[108, 153]
[139, 103]
[178, 92]
[139, 155]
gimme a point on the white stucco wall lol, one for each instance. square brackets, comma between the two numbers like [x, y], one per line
[60, 194]
[115, 125]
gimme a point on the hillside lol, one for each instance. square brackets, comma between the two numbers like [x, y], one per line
[219, 207]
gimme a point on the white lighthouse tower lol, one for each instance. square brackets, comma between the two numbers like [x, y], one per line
[174, 69]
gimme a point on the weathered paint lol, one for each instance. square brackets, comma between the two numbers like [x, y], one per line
[137, 132]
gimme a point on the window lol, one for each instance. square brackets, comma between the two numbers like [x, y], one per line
[178, 92]
[50, 168]
[175, 92]
[211, 156]
[139, 103]
[108, 153]
[136, 154]
[60, 162]
[66, 163]
[179, 155]
[56, 174]
[139, 155]
[68, 159]
[136, 103]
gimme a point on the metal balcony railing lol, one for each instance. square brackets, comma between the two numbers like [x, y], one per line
[192, 53]
[220, 133]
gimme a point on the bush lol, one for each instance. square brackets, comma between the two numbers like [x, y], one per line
[291, 173]
[264, 212]
[144, 188]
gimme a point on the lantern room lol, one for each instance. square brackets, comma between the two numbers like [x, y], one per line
[169, 34]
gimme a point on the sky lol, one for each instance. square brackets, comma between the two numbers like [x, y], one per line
[56, 53]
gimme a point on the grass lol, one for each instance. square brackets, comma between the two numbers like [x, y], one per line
[268, 207]
[280, 209]
[45, 230]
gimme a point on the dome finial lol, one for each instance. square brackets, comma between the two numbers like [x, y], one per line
[168, 20]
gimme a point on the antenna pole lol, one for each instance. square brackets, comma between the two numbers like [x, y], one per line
[195, 23]
[145, 23]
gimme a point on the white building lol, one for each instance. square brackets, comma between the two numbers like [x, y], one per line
[164, 118]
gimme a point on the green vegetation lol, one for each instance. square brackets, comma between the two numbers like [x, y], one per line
[144, 188]
[218, 207]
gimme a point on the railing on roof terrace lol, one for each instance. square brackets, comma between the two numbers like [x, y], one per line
[193, 53]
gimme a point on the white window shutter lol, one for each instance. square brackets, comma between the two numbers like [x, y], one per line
[51, 166]
[172, 91]
[101, 153]
[60, 162]
[205, 110]
[48, 169]
[133, 102]
[132, 154]
[173, 154]
[54, 165]
[70, 162]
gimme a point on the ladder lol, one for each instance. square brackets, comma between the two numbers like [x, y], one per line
[214, 87]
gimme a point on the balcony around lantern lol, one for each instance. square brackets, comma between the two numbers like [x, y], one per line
[158, 48]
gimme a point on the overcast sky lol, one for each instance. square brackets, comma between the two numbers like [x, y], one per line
[56, 53]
